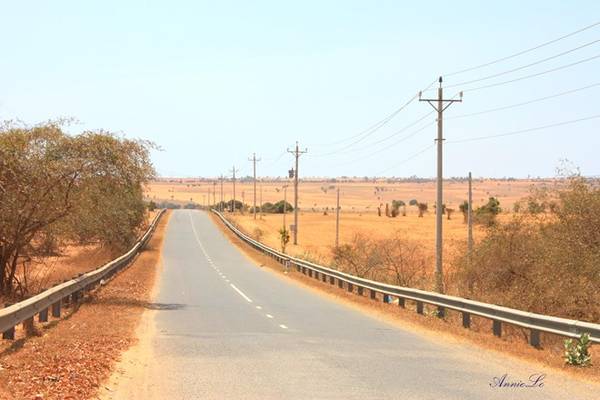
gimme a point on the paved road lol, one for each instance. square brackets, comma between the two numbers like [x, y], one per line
[230, 330]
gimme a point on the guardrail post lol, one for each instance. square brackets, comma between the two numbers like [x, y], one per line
[340, 283]
[386, 298]
[401, 302]
[324, 277]
[9, 334]
[310, 273]
[43, 315]
[497, 328]
[373, 294]
[331, 280]
[441, 312]
[28, 326]
[419, 307]
[304, 270]
[56, 309]
[466, 320]
[360, 290]
[298, 268]
[534, 338]
[350, 287]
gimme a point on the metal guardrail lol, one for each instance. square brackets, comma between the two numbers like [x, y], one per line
[536, 323]
[53, 298]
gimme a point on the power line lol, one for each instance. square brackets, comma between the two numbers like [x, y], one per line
[539, 46]
[524, 103]
[524, 66]
[390, 146]
[533, 75]
[371, 130]
[521, 131]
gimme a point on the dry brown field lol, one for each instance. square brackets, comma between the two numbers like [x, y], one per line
[355, 196]
[358, 203]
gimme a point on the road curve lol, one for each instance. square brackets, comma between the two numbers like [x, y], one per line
[224, 329]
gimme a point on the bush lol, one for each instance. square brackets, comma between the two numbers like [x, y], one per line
[542, 263]
[486, 214]
[394, 260]
[577, 353]
[257, 233]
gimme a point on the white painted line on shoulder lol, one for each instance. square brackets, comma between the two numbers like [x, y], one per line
[241, 293]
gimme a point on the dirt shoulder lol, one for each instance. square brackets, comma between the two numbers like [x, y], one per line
[449, 329]
[73, 356]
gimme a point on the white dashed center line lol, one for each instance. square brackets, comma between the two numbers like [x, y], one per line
[240, 293]
[269, 316]
[282, 326]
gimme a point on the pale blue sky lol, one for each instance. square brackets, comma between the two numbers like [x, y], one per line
[212, 82]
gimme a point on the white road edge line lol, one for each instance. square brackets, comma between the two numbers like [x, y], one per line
[241, 293]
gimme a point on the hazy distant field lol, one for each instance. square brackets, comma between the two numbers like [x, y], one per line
[355, 196]
[359, 201]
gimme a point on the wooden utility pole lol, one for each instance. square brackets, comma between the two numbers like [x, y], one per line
[254, 160]
[233, 171]
[261, 202]
[296, 154]
[442, 105]
[337, 219]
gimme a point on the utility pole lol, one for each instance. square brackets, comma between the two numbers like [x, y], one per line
[470, 219]
[296, 154]
[214, 193]
[243, 202]
[254, 160]
[337, 219]
[221, 203]
[442, 105]
[233, 171]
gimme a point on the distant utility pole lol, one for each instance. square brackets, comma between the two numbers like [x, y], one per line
[296, 154]
[337, 219]
[214, 193]
[442, 105]
[243, 202]
[254, 160]
[470, 219]
[233, 171]
[221, 203]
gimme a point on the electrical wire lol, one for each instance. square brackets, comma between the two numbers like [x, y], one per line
[533, 75]
[521, 131]
[490, 110]
[523, 66]
[539, 46]
[371, 130]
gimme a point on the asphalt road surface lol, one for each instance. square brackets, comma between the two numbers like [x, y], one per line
[227, 329]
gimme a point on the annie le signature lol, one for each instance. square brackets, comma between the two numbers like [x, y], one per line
[504, 381]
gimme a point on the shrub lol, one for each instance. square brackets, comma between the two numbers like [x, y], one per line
[542, 263]
[258, 233]
[486, 214]
[577, 353]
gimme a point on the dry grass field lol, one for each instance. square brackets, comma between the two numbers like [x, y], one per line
[355, 196]
[358, 203]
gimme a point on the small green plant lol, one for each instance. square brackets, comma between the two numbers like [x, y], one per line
[577, 352]
[284, 236]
